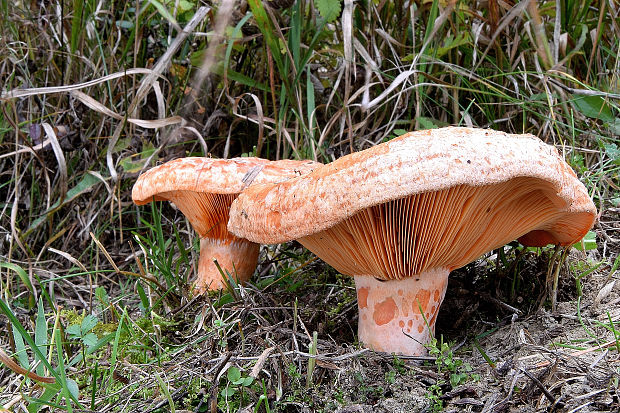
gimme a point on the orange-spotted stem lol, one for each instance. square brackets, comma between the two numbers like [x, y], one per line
[398, 316]
[238, 256]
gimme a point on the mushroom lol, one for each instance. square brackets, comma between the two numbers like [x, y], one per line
[400, 216]
[203, 189]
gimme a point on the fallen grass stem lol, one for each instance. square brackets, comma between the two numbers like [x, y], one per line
[164, 389]
[484, 355]
[11, 364]
[311, 360]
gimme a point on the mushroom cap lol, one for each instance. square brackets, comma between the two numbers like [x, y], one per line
[204, 188]
[463, 192]
[216, 176]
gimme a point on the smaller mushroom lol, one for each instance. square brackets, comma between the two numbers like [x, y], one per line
[203, 189]
[400, 216]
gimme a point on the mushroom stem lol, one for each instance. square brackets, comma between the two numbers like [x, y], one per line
[390, 312]
[239, 257]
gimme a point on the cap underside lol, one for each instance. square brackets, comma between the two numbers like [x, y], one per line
[208, 213]
[447, 228]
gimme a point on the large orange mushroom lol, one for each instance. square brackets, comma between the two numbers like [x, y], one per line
[203, 189]
[401, 215]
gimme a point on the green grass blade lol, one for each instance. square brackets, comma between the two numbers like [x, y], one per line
[67, 394]
[94, 386]
[236, 32]
[266, 27]
[240, 78]
[92, 349]
[310, 51]
[273, 43]
[294, 38]
[144, 300]
[87, 182]
[117, 337]
[20, 349]
[77, 24]
[166, 392]
[21, 273]
[310, 104]
[24, 334]
[161, 9]
[40, 334]
[36, 403]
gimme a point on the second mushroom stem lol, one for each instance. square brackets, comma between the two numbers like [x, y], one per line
[238, 256]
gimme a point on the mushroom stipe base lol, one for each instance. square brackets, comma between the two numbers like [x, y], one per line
[398, 316]
[237, 256]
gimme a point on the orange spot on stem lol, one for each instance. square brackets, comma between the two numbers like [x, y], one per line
[362, 297]
[385, 311]
[421, 300]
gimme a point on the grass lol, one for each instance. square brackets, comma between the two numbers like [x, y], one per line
[95, 291]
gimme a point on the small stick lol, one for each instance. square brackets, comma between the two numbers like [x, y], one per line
[580, 352]
[539, 385]
[500, 303]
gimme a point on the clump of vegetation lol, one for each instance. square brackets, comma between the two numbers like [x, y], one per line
[452, 372]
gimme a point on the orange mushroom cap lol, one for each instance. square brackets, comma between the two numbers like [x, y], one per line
[401, 215]
[433, 198]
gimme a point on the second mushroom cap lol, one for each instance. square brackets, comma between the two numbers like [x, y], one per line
[203, 189]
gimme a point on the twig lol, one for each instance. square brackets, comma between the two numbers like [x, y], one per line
[580, 353]
[539, 385]
[500, 303]
[177, 395]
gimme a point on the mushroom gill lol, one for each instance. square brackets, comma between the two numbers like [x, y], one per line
[447, 228]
